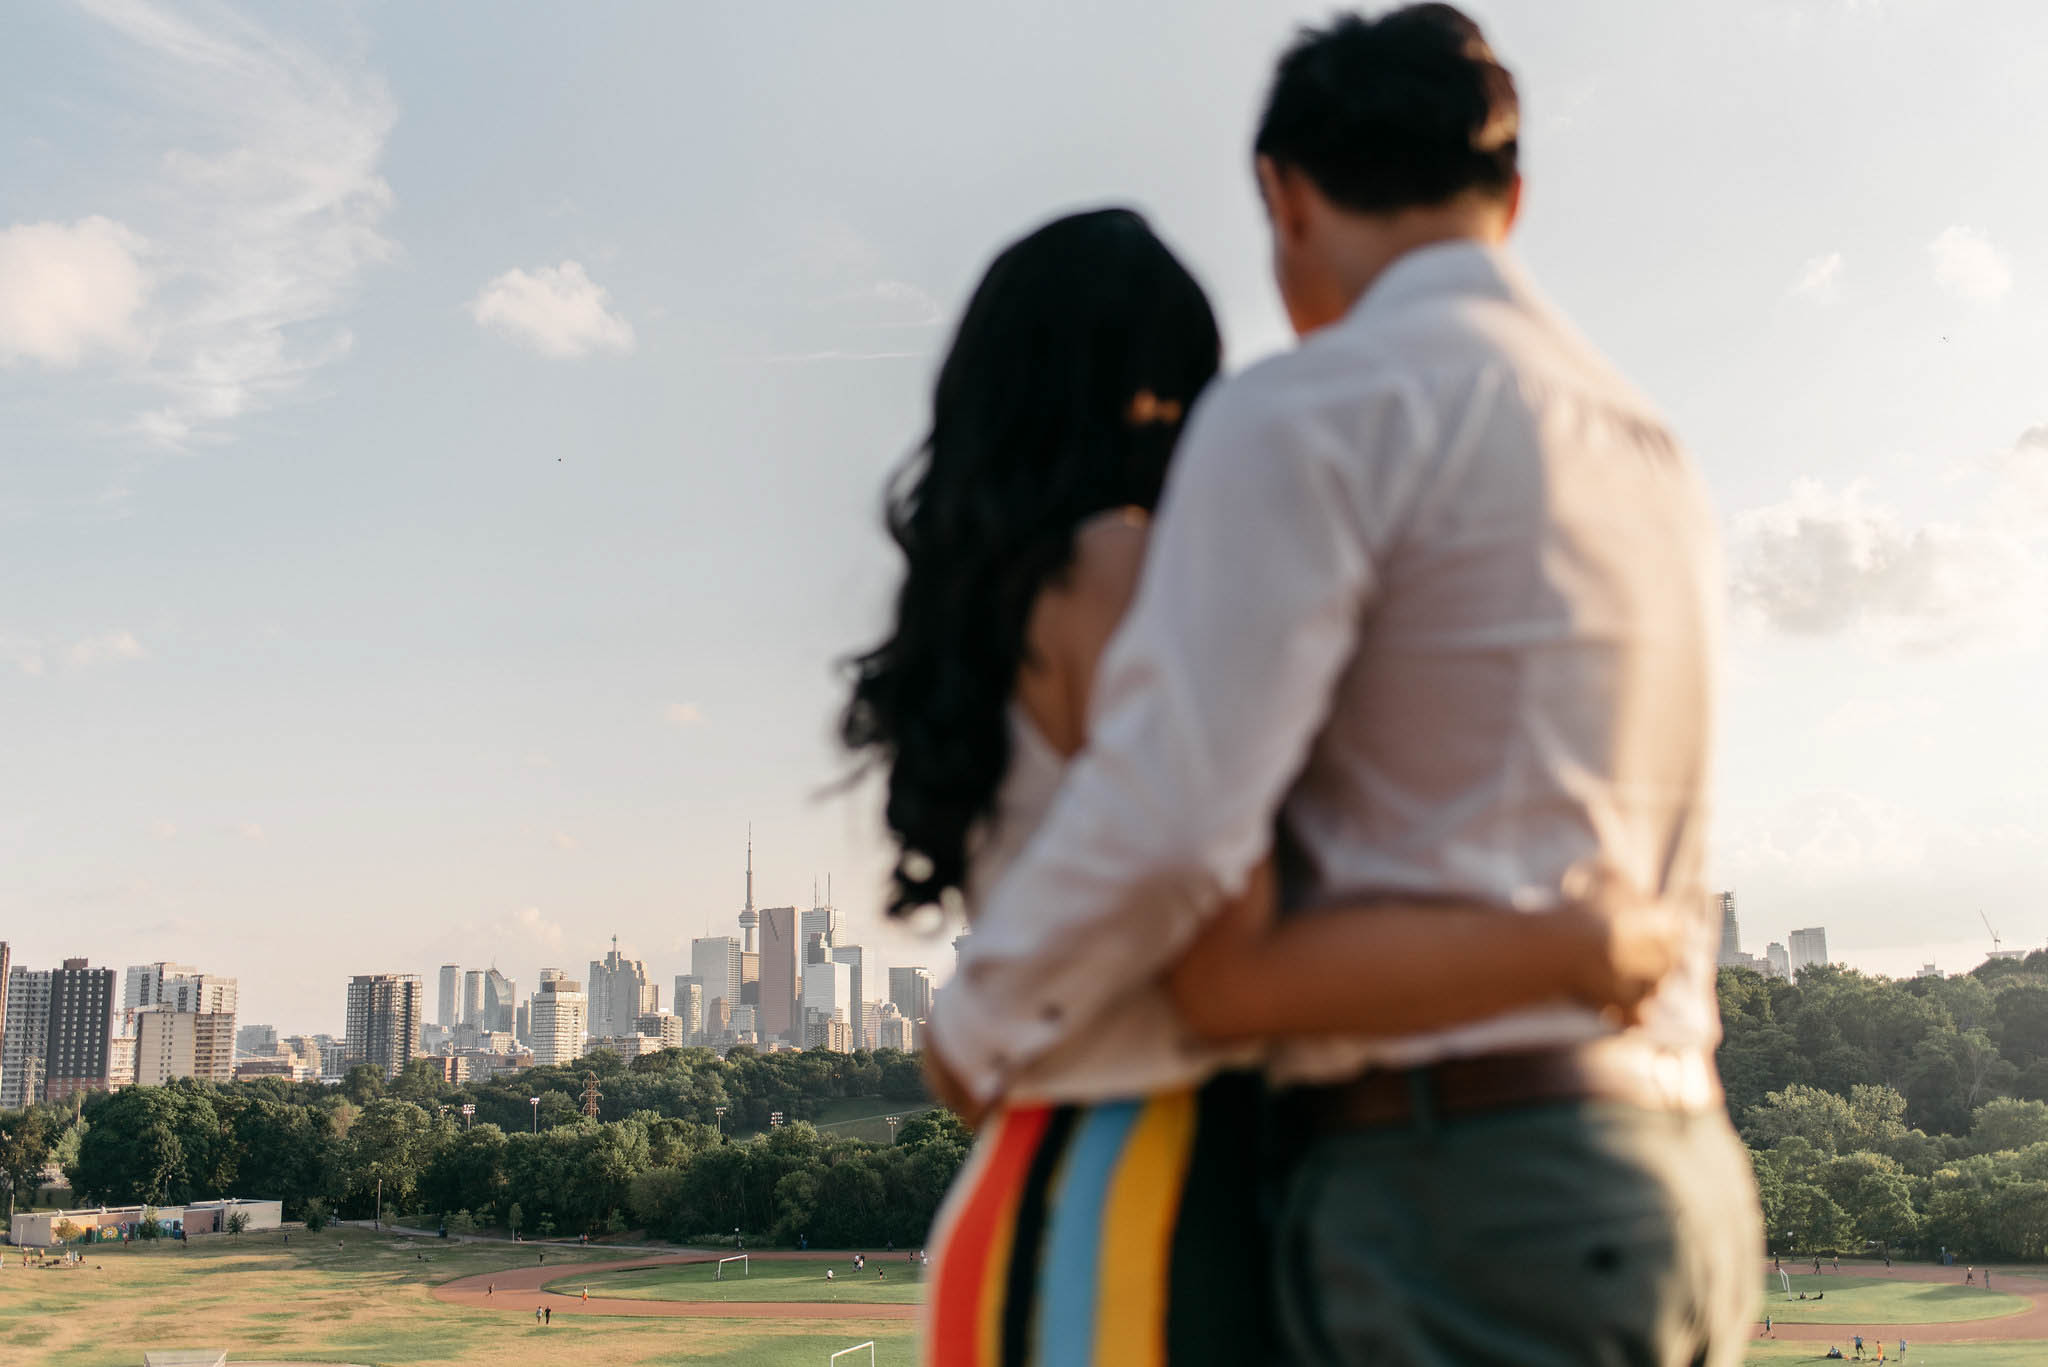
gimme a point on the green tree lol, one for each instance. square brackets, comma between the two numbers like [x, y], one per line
[1811, 1221]
[25, 1140]
[392, 1142]
[2004, 1125]
[316, 1214]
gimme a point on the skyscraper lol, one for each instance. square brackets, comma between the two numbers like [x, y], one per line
[1731, 930]
[828, 997]
[383, 1028]
[820, 920]
[501, 1001]
[173, 1044]
[749, 917]
[1809, 946]
[856, 959]
[777, 1017]
[473, 998]
[6, 960]
[558, 1022]
[689, 1006]
[619, 990]
[1779, 958]
[715, 963]
[451, 980]
[81, 1024]
[197, 992]
[911, 990]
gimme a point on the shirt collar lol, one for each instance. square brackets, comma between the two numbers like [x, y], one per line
[1461, 266]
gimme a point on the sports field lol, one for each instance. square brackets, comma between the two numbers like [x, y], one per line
[1879, 1300]
[901, 1284]
[349, 1296]
[2017, 1354]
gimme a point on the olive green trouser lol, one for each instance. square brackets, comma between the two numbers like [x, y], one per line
[1551, 1236]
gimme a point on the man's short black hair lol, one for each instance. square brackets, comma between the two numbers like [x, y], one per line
[1405, 110]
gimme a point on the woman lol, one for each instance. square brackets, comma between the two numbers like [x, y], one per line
[1092, 1224]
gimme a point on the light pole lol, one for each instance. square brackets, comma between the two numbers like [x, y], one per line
[774, 1120]
[534, 1102]
[892, 1121]
[380, 1203]
[468, 1110]
[719, 1111]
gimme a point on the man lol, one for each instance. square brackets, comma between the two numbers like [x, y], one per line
[1437, 593]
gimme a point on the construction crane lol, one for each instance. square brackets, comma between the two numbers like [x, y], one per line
[1994, 934]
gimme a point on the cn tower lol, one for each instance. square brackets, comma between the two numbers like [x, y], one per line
[749, 918]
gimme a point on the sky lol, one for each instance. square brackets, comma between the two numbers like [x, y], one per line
[441, 446]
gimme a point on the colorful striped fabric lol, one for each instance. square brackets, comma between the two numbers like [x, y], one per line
[1078, 1236]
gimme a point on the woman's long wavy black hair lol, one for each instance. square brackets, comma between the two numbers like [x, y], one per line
[1040, 420]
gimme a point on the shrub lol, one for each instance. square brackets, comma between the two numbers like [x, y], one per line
[316, 1215]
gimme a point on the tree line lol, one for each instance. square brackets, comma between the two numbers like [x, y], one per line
[671, 1144]
[1904, 1116]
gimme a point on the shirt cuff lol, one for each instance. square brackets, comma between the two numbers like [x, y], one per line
[1002, 1011]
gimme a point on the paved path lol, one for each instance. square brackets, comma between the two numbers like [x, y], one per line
[2030, 1323]
[520, 1289]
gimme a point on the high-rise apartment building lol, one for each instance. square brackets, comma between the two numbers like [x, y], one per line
[6, 962]
[199, 992]
[619, 990]
[255, 1041]
[1779, 958]
[715, 963]
[81, 1025]
[24, 1037]
[172, 1044]
[142, 984]
[665, 1029]
[383, 1027]
[473, 998]
[911, 990]
[558, 1022]
[451, 988]
[777, 1015]
[1809, 946]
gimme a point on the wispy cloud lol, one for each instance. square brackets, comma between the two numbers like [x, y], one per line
[559, 311]
[682, 714]
[249, 830]
[817, 357]
[68, 290]
[266, 209]
[528, 924]
[1818, 276]
[1968, 266]
[562, 840]
[113, 647]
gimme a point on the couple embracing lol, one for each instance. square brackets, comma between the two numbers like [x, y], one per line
[1339, 987]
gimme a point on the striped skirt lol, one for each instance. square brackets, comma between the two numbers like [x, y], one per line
[1119, 1234]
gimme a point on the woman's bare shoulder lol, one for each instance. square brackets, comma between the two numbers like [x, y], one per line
[1109, 553]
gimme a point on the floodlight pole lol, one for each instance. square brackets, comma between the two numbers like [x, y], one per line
[534, 1101]
[380, 1203]
[892, 1121]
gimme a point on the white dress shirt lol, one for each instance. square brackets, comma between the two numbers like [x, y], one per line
[1439, 590]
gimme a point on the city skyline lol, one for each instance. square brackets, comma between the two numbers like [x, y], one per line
[426, 562]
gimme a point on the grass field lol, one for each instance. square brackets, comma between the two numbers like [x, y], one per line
[771, 1281]
[861, 1117]
[1766, 1354]
[1856, 1301]
[366, 1301]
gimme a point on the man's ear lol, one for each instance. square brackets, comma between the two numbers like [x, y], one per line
[1514, 204]
[1280, 187]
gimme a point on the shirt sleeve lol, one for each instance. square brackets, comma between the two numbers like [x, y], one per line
[1204, 708]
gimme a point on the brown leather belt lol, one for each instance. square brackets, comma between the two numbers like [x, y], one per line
[1622, 1071]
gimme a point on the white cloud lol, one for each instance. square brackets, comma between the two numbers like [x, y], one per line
[682, 714]
[67, 290]
[164, 830]
[249, 830]
[1818, 276]
[1968, 266]
[557, 310]
[562, 840]
[24, 654]
[1823, 562]
[268, 205]
[113, 647]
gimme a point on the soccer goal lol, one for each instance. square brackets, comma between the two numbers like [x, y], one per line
[869, 1345]
[1786, 1278]
[740, 1258]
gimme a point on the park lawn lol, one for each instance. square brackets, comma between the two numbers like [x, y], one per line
[770, 1281]
[2015, 1354]
[366, 1301]
[861, 1117]
[1854, 1301]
